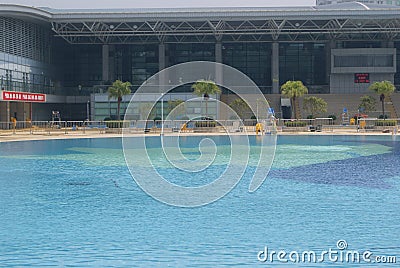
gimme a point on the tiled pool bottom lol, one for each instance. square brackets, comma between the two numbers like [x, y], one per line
[73, 203]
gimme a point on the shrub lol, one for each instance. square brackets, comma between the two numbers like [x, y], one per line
[295, 124]
[386, 123]
[117, 123]
[383, 117]
[333, 119]
[332, 116]
[205, 124]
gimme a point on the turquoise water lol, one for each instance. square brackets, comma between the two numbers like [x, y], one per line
[74, 203]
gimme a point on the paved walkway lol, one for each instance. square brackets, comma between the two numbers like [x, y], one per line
[24, 136]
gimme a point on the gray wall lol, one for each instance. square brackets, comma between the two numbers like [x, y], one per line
[360, 60]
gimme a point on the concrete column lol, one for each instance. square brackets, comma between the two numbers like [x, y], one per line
[161, 56]
[275, 68]
[161, 66]
[218, 58]
[219, 76]
[328, 60]
[111, 64]
[106, 62]
[30, 111]
[8, 114]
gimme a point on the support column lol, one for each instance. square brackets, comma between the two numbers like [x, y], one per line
[161, 66]
[8, 113]
[219, 77]
[328, 60]
[111, 65]
[275, 68]
[106, 62]
[218, 58]
[161, 56]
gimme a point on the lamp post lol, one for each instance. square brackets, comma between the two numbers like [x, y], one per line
[162, 114]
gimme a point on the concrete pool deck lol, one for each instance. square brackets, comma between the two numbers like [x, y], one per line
[26, 136]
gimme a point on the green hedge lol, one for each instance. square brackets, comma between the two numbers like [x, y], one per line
[205, 124]
[295, 124]
[117, 124]
[386, 123]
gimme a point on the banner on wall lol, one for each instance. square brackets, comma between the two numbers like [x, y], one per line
[22, 96]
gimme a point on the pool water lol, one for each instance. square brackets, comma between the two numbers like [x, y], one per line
[74, 203]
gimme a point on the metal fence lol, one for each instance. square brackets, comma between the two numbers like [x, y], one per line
[171, 126]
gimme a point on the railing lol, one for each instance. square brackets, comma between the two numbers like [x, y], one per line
[171, 126]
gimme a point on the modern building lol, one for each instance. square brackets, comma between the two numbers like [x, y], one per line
[71, 56]
[379, 2]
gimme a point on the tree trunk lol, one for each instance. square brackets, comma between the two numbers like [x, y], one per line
[206, 109]
[383, 105]
[294, 108]
[118, 107]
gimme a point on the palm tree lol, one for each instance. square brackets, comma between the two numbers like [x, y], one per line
[294, 90]
[117, 90]
[205, 88]
[383, 88]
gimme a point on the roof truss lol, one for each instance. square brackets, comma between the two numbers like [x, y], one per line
[102, 32]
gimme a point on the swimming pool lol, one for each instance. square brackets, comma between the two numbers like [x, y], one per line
[74, 203]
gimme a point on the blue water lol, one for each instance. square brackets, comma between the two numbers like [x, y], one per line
[73, 203]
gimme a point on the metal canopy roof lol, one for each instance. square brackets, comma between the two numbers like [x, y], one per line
[118, 26]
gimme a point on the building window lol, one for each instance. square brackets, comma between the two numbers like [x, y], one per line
[253, 59]
[303, 61]
[363, 61]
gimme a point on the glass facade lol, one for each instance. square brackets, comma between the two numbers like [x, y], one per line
[32, 60]
[25, 57]
[253, 59]
[305, 62]
[139, 110]
[109, 110]
[135, 63]
[79, 67]
[179, 53]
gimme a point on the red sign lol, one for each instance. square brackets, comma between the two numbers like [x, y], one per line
[361, 78]
[23, 96]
